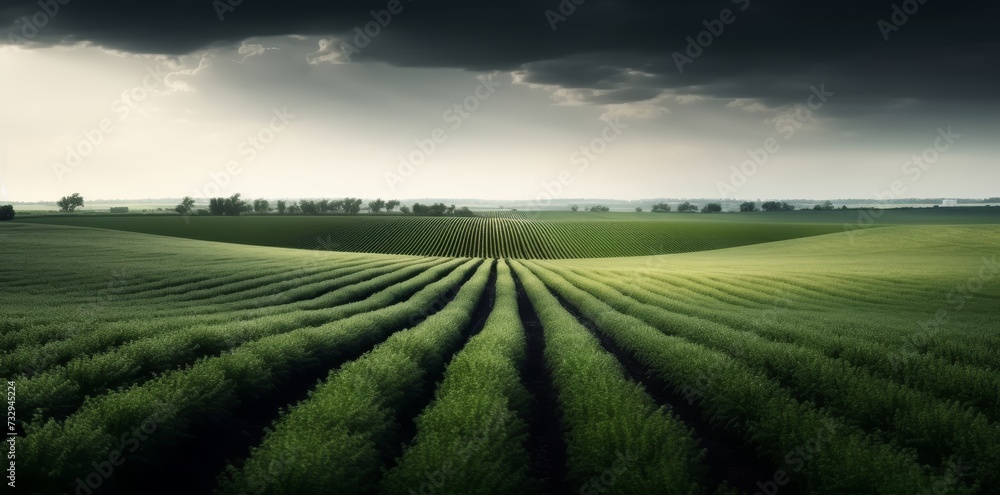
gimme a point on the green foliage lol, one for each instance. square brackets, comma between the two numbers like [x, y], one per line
[471, 436]
[338, 436]
[611, 423]
[661, 208]
[711, 208]
[186, 205]
[70, 203]
[776, 206]
[6, 212]
[686, 207]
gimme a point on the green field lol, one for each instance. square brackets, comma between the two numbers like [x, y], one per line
[770, 352]
[544, 235]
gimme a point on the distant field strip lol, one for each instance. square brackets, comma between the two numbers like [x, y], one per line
[497, 235]
[282, 371]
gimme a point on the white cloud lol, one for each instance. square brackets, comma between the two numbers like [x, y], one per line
[747, 104]
[252, 50]
[330, 50]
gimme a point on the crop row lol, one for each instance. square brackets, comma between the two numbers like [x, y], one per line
[746, 401]
[935, 429]
[57, 452]
[611, 424]
[340, 435]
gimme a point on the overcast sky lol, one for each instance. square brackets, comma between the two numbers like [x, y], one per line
[523, 99]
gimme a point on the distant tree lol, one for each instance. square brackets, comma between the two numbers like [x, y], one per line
[185, 206]
[404, 210]
[712, 208]
[352, 205]
[376, 205]
[323, 205]
[574, 207]
[686, 207]
[827, 205]
[748, 206]
[261, 206]
[661, 208]
[464, 212]
[817, 207]
[308, 207]
[282, 206]
[638, 209]
[6, 212]
[450, 210]
[294, 209]
[391, 205]
[336, 206]
[843, 207]
[776, 206]
[599, 208]
[434, 210]
[233, 205]
[70, 203]
[216, 206]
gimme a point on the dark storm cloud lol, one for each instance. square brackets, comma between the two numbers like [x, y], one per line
[628, 50]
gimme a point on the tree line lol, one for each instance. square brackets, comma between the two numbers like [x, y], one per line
[236, 205]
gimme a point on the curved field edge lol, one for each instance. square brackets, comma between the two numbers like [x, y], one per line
[484, 237]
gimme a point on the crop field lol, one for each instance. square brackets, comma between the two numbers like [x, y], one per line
[504, 354]
[545, 235]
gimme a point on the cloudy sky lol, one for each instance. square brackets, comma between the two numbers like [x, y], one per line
[499, 100]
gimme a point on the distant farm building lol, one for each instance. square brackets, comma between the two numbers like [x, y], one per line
[119, 209]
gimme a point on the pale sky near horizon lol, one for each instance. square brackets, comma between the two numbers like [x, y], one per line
[123, 108]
